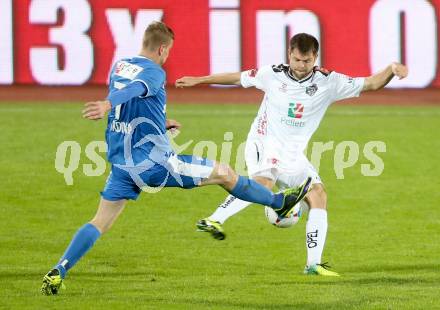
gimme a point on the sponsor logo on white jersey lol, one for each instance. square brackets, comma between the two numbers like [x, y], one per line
[294, 114]
[292, 122]
[295, 110]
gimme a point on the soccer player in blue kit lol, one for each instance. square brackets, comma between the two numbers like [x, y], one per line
[141, 155]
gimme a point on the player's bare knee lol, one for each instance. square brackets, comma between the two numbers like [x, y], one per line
[225, 174]
[103, 225]
[317, 197]
[320, 191]
[102, 229]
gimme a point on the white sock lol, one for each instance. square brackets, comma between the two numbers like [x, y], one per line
[228, 208]
[316, 232]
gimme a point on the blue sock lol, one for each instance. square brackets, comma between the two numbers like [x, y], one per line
[249, 190]
[83, 240]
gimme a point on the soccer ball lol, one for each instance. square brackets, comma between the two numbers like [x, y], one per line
[291, 219]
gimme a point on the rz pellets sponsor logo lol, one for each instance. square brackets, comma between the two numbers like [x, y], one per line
[294, 115]
[296, 110]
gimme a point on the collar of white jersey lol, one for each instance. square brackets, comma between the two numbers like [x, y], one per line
[291, 76]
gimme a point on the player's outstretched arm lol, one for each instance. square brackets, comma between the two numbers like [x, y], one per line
[382, 78]
[221, 78]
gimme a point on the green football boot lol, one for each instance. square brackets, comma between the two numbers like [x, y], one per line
[320, 270]
[292, 196]
[52, 282]
[212, 227]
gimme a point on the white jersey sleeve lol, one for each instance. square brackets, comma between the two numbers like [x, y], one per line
[344, 86]
[258, 78]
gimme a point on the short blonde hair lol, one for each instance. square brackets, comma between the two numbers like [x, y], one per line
[157, 34]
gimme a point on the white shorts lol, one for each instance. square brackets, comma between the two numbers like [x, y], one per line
[286, 170]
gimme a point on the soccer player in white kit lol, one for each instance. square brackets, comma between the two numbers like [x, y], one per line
[296, 97]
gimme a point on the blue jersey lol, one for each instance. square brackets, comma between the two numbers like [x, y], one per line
[136, 131]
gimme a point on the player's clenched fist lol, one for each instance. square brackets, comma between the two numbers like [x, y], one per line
[399, 70]
[95, 110]
[187, 81]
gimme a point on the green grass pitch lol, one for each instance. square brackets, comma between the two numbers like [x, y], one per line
[384, 232]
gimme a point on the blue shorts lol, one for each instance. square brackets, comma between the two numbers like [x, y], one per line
[184, 171]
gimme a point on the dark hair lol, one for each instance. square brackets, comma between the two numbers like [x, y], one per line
[156, 34]
[305, 43]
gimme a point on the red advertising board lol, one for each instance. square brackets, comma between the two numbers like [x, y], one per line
[63, 42]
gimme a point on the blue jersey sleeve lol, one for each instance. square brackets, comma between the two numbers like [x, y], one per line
[134, 89]
[153, 79]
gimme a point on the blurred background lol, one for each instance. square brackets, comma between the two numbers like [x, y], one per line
[74, 43]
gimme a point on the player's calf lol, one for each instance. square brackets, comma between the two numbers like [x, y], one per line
[246, 189]
[222, 175]
[316, 228]
[107, 213]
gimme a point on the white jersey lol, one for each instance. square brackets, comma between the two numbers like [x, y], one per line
[292, 109]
